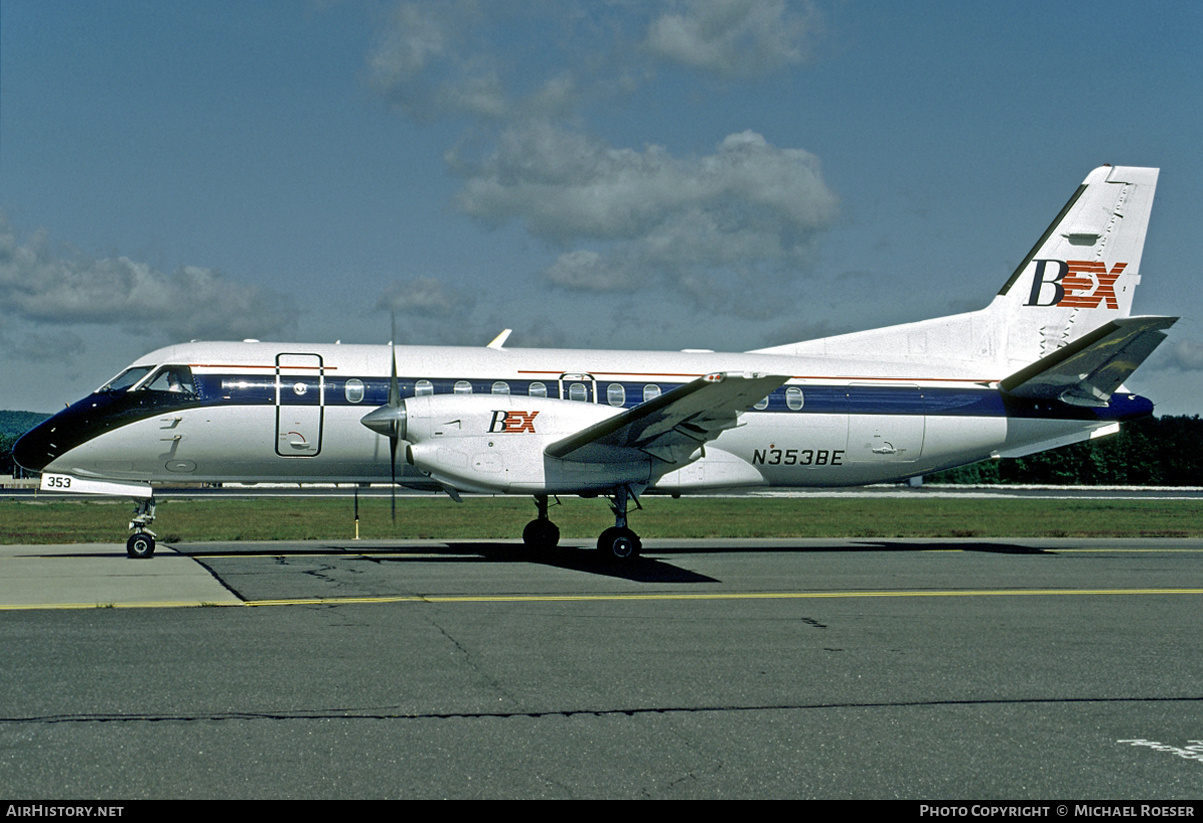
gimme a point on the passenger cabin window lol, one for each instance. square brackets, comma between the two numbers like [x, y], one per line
[423, 388]
[126, 379]
[577, 391]
[354, 390]
[761, 405]
[501, 387]
[462, 387]
[175, 379]
[537, 389]
[650, 392]
[793, 398]
[616, 395]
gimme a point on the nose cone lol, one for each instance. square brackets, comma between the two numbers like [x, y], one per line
[37, 447]
[73, 426]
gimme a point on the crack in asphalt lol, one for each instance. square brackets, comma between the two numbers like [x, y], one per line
[385, 713]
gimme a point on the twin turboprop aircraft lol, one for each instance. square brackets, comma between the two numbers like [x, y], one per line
[1041, 366]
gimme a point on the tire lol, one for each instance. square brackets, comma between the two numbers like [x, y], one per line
[619, 545]
[140, 546]
[541, 534]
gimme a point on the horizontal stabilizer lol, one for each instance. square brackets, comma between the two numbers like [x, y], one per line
[1089, 370]
[672, 426]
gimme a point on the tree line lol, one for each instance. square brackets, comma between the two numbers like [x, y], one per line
[1155, 451]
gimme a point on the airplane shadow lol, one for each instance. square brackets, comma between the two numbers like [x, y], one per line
[654, 566]
[640, 570]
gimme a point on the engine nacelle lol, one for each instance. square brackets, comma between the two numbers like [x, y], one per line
[495, 444]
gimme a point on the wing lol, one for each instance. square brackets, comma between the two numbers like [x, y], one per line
[672, 426]
[1089, 370]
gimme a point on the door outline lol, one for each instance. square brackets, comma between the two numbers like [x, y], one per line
[300, 415]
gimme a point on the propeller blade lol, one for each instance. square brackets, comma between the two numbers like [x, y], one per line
[392, 448]
[389, 420]
[394, 402]
[394, 390]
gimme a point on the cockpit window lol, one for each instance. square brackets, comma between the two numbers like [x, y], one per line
[176, 379]
[126, 379]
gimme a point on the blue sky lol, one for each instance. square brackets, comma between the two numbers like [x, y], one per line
[722, 175]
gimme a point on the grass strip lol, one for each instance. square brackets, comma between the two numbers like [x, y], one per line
[301, 518]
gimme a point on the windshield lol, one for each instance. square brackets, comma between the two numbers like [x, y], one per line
[126, 379]
[176, 379]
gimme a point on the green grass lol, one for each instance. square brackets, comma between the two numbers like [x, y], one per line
[43, 521]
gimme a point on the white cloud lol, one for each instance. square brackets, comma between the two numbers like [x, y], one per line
[748, 204]
[435, 60]
[1187, 355]
[587, 270]
[422, 297]
[416, 38]
[564, 186]
[503, 62]
[732, 38]
[624, 219]
[41, 285]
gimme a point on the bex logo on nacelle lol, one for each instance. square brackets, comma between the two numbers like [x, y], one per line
[1076, 284]
[513, 422]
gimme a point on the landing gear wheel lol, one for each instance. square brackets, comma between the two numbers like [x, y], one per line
[140, 546]
[619, 545]
[541, 534]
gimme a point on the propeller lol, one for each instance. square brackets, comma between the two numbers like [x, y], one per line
[389, 419]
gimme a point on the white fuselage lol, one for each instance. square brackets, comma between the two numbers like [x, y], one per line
[266, 412]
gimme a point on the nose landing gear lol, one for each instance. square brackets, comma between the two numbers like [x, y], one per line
[541, 533]
[141, 544]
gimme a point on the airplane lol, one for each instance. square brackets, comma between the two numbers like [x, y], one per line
[1041, 366]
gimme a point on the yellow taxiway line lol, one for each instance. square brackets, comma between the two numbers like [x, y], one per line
[602, 598]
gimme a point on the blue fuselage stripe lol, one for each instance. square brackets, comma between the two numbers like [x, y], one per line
[371, 392]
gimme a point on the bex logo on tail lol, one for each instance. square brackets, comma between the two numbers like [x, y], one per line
[1077, 284]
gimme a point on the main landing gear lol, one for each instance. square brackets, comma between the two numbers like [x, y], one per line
[141, 544]
[617, 544]
[620, 543]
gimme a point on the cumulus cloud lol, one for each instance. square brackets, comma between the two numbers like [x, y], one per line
[463, 57]
[587, 270]
[415, 39]
[748, 204]
[435, 60]
[1187, 355]
[43, 285]
[732, 38]
[622, 219]
[422, 297]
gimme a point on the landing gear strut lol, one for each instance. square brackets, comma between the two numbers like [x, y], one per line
[141, 544]
[541, 533]
[617, 544]
[620, 543]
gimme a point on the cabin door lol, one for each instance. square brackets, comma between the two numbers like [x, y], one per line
[300, 404]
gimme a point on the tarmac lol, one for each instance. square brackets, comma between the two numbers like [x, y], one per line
[1014, 669]
[100, 574]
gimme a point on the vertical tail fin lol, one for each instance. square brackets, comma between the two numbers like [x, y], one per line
[1084, 271]
[1080, 276]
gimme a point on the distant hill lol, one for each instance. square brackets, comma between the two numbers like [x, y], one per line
[16, 423]
[13, 424]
